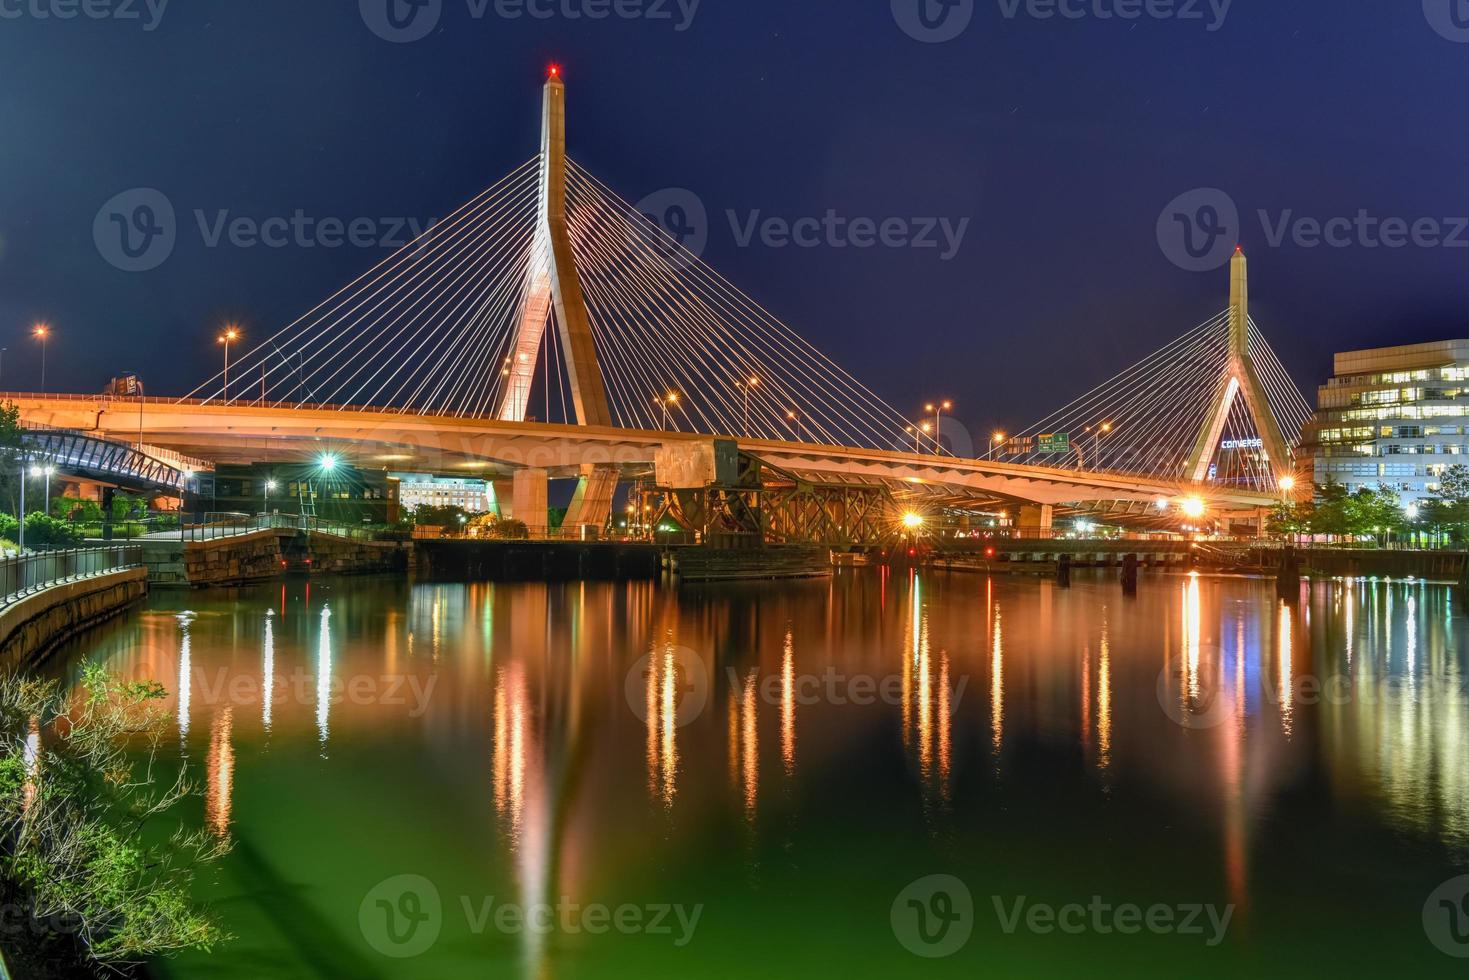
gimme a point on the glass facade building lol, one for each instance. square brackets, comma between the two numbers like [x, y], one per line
[1393, 417]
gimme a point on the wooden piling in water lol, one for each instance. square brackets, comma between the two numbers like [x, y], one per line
[1129, 574]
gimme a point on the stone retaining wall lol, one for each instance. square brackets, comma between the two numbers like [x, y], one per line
[33, 627]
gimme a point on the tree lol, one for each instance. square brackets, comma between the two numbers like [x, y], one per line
[10, 456]
[1448, 506]
[80, 792]
[1332, 514]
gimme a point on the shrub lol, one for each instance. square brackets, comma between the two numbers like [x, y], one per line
[75, 810]
[47, 532]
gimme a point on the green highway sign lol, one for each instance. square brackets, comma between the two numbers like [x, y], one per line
[1058, 442]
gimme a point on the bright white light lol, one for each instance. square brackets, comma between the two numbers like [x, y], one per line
[1194, 507]
[911, 520]
[328, 462]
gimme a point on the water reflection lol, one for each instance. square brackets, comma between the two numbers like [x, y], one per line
[598, 778]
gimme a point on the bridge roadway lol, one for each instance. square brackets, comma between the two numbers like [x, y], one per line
[242, 432]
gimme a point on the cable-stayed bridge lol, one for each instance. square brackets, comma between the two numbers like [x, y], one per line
[546, 329]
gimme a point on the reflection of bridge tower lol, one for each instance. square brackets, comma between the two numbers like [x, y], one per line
[1240, 378]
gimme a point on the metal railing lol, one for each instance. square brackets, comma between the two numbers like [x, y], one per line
[28, 574]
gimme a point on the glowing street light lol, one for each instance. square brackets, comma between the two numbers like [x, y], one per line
[746, 386]
[42, 332]
[996, 439]
[938, 411]
[666, 402]
[46, 471]
[328, 462]
[797, 423]
[1193, 507]
[912, 521]
[1287, 487]
[230, 335]
[269, 486]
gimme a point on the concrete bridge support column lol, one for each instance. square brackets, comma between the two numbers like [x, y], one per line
[1036, 517]
[529, 506]
[592, 504]
[504, 498]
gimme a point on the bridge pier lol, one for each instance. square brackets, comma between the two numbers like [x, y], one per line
[530, 493]
[1037, 518]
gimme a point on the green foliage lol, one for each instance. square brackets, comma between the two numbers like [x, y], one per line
[47, 532]
[77, 803]
[9, 527]
[450, 517]
[76, 511]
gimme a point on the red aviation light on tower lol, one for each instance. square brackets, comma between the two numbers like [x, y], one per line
[554, 71]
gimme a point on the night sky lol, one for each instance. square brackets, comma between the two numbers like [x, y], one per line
[1061, 141]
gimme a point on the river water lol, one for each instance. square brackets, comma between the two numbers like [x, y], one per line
[889, 774]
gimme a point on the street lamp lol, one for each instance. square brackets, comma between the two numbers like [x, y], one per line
[746, 386]
[42, 332]
[1097, 434]
[1287, 486]
[665, 402]
[938, 411]
[797, 423]
[996, 439]
[45, 471]
[230, 334]
[269, 486]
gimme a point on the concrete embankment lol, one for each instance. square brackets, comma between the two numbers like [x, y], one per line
[1437, 566]
[34, 626]
[263, 555]
[499, 561]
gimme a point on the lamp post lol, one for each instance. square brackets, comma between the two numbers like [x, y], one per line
[664, 403]
[996, 439]
[746, 386]
[2, 361]
[230, 334]
[45, 471]
[798, 424]
[1097, 434]
[42, 332]
[938, 409]
[21, 544]
[269, 486]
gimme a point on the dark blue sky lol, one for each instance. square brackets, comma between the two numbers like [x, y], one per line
[1060, 140]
